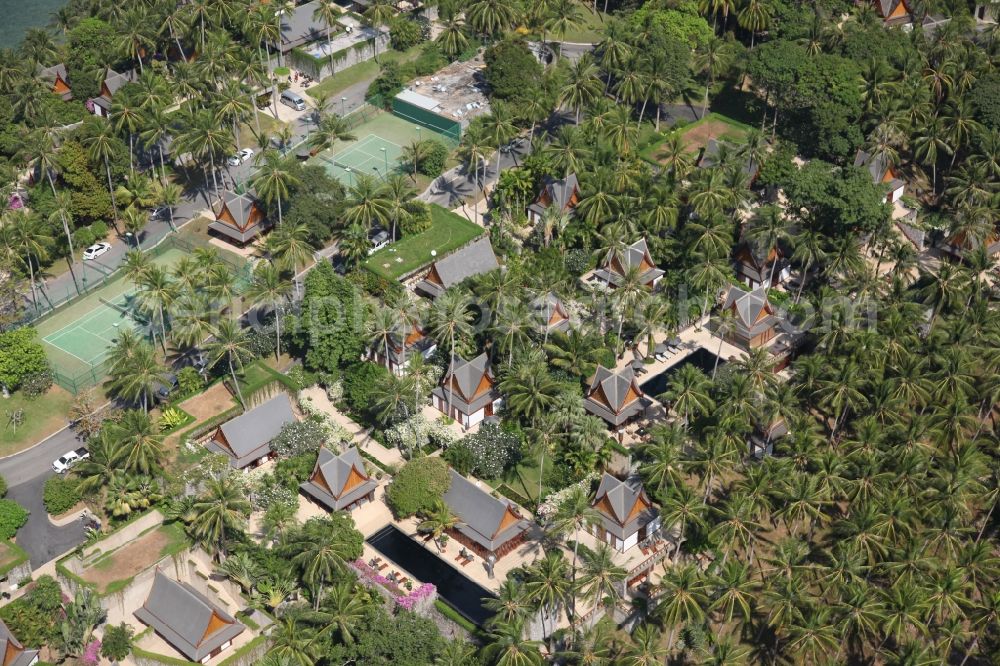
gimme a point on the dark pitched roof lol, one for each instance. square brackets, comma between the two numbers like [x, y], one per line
[631, 257]
[548, 307]
[12, 652]
[241, 207]
[298, 26]
[59, 69]
[115, 80]
[484, 519]
[330, 476]
[475, 258]
[186, 619]
[248, 437]
[608, 396]
[407, 339]
[754, 313]
[616, 500]
[710, 157]
[466, 376]
[558, 192]
[753, 260]
[876, 168]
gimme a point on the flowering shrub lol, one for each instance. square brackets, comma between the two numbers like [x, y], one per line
[416, 432]
[15, 202]
[89, 105]
[298, 437]
[333, 431]
[553, 501]
[488, 452]
[92, 653]
[416, 600]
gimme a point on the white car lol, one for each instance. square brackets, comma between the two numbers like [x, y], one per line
[96, 250]
[240, 157]
[62, 464]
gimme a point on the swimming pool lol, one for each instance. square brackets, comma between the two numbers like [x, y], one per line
[701, 358]
[458, 591]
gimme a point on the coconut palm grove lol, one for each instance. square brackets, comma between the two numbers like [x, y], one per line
[501, 333]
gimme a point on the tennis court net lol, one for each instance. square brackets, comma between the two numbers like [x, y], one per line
[127, 311]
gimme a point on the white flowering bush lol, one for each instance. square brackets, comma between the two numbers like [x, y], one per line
[335, 391]
[298, 437]
[333, 431]
[486, 453]
[210, 466]
[553, 501]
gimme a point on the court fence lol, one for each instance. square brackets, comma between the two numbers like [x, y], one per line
[451, 130]
[77, 381]
[50, 302]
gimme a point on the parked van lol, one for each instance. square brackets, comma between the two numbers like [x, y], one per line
[294, 100]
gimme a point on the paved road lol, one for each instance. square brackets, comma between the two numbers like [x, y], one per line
[39, 537]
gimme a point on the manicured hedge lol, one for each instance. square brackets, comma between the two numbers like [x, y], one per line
[417, 486]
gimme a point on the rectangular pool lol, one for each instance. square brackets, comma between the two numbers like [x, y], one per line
[701, 358]
[458, 591]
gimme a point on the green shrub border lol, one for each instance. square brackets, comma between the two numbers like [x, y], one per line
[455, 617]
[22, 557]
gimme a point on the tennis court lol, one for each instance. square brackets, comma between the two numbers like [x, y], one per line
[372, 156]
[90, 339]
[364, 155]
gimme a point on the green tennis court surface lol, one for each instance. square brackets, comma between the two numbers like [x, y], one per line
[372, 156]
[90, 338]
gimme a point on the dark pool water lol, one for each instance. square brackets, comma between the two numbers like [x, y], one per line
[458, 591]
[701, 358]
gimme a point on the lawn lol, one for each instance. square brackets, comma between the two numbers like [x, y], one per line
[269, 126]
[116, 569]
[697, 135]
[363, 71]
[590, 30]
[447, 232]
[42, 416]
[524, 481]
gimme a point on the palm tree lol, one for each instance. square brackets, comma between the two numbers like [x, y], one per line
[330, 129]
[367, 203]
[511, 604]
[293, 644]
[508, 647]
[29, 236]
[684, 598]
[583, 85]
[230, 343]
[713, 59]
[549, 585]
[452, 39]
[106, 454]
[601, 576]
[499, 126]
[490, 17]
[168, 195]
[530, 391]
[156, 293]
[437, 522]
[100, 148]
[472, 152]
[135, 371]
[274, 181]
[316, 549]
[140, 446]
[44, 150]
[223, 507]
[574, 514]
[327, 12]
[290, 247]
[755, 16]
[269, 290]
[646, 648]
[687, 392]
[450, 318]
[342, 608]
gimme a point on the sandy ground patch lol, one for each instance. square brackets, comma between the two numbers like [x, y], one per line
[127, 561]
[215, 400]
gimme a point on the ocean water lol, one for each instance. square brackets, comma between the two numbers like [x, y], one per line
[23, 14]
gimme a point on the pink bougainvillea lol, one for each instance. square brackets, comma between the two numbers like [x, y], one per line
[92, 653]
[15, 202]
[403, 599]
[89, 105]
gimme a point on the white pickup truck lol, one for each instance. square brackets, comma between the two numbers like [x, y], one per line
[67, 460]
